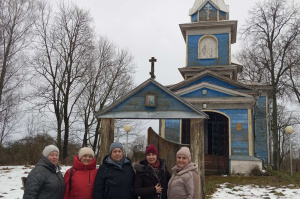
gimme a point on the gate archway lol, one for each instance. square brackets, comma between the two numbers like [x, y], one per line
[151, 100]
[216, 142]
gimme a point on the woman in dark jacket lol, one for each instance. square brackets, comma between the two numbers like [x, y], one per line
[152, 176]
[80, 184]
[45, 181]
[115, 176]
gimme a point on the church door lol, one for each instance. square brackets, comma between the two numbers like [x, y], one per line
[216, 146]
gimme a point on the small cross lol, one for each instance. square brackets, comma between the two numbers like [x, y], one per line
[152, 60]
[207, 9]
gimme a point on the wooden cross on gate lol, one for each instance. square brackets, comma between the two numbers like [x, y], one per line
[152, 60]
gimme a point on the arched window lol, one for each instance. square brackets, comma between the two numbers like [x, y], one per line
[208, 47]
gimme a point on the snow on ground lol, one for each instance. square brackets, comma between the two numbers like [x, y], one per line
[10, 187]
[10, 181]
[254, 192]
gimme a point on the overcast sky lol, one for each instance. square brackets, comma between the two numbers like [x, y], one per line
[151, 29]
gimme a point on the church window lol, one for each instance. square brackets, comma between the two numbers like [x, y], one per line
[208, 47]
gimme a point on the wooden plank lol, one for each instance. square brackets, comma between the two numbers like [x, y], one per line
[166, 149]
[106, 137]
[197, 151]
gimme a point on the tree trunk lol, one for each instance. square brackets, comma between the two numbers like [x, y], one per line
[66, 138]
[86, 130]
[197, 151]
[97, 133]
[59, 138]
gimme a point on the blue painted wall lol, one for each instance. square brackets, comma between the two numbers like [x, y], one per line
[239, 139]
[212, 80]
[194, 17]
[222, 15]
[261, 129]
[223, 51]
[173, 129]
[210, 93]
[137, 101]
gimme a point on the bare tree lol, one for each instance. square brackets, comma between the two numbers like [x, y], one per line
[285, 118]
[16, 21]
[110, 78]
[63, 56]
[271, 34]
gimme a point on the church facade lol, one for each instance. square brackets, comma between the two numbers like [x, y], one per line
[237, 135]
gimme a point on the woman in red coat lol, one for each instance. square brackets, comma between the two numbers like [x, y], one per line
[80, 184]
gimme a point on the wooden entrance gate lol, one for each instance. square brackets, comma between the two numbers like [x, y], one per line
[216, 143]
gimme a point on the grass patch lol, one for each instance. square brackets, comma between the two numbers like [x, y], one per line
[277, 179]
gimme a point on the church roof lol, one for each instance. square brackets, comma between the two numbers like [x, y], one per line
[199, 3]
[208, 24]
[211, 73]
[221, 89]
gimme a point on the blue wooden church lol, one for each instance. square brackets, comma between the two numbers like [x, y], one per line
[224, 120]
[237, 135]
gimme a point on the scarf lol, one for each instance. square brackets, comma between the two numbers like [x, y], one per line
[156, 164]
[178, 169]
[118, 164]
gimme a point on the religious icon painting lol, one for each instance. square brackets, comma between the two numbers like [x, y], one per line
[238, 127]
[150, 100]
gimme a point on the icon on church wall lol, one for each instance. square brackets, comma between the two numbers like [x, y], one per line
[207, 47]
[150, 100]
[238, 127]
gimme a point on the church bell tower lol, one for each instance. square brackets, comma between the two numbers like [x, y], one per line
[208, 39]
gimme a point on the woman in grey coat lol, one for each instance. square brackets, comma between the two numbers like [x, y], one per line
[184, 183]
[46, 181]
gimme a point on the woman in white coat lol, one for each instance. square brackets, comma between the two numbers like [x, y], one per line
[184, 183]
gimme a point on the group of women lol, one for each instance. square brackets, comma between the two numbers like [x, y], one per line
[116, 178]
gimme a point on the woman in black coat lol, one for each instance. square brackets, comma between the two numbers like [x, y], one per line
[45, 181]
[115, 176]
[152, 176]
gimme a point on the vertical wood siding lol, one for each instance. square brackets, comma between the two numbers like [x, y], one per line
[210, 93]
[172, 130]
[212, 80]
[223, 50]
[261, 135]
[165, 101]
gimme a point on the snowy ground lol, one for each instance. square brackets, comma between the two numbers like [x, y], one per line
[10, 187]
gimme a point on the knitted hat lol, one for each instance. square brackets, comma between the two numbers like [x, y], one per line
[151, 149]
[48, 149]
[115, 145]
[185, 151]
[85, 150]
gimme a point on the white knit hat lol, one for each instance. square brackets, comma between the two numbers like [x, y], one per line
[85, 150]
[185, 151]
[48, 149]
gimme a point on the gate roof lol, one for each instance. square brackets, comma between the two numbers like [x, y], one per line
[151, 100]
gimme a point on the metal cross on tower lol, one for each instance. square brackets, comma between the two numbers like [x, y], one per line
[207, 9]
[152, 60]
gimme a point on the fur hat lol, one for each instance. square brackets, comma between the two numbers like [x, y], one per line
[48, 149]
[85, 150]
[115, 145]
[185, 151]
[151, 149]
